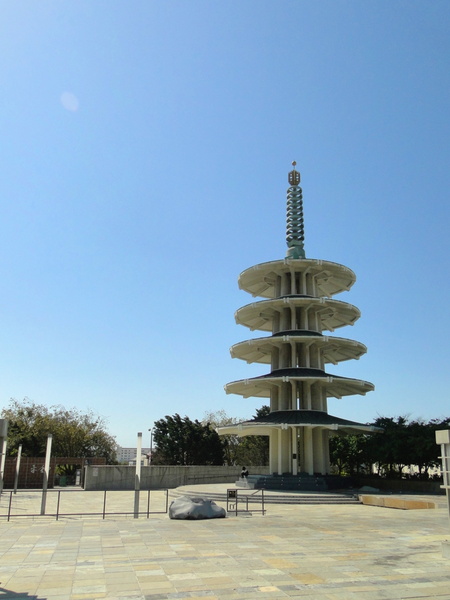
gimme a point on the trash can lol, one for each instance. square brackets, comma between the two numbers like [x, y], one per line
[63, 480]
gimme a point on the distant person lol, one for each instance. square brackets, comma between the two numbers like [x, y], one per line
[244, 473]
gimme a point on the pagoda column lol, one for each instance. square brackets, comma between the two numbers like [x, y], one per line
[294, 444]
[308, 451]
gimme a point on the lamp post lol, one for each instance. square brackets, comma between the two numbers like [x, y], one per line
[151, 448]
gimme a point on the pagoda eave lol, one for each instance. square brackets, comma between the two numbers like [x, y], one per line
[335, 349]
[331, 313]
[335, 387]
[331, 278]
[296, 418]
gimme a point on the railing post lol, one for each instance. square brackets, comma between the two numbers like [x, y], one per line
[9, 507]
[57, 504]
[16, 476]
[137, 477]
[46, 471]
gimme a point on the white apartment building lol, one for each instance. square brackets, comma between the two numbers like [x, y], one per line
[125, 455]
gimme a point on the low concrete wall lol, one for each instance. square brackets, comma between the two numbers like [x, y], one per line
[396, 502]
[121, 477]
[411, 486]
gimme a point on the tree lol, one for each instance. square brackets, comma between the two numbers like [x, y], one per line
[254, 449]
[392, 446]
[422, 448]
[349, 453]
[402, 443]
[249, 450]
[75, 434]
[181, 441]
[231, 442]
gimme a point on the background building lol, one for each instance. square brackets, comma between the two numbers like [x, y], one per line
[125, 455]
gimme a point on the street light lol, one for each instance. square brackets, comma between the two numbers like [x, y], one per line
[151, 447]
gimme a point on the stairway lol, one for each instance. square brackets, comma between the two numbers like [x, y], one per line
[304, 498]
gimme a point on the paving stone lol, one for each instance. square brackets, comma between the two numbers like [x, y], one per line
[315, 552]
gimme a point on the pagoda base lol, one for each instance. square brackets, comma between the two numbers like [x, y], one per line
[301, 482]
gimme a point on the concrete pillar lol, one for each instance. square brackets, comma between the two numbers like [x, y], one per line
[278, 287]
[274, 399]
[317, 324]
[302, 283]
[316, 396]
[301, 451]
[306, 396]
[318, 449]
[48, 453]
[302, 356]
[326, 451]
[443, 439]
[293, 286]
[276, 323]
[294, 395]
[279, 453]
[308, 461]
[3, 436]
[137, 476]
[303, 318]
[273, 451]
[294, 359]
[314, 355]
[294, 448]
[286, 452]
[285, 396]
[285, 356]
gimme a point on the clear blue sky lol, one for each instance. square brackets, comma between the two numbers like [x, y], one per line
[145, 152]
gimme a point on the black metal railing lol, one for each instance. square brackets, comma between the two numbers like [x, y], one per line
[22, 503]
[238, 501]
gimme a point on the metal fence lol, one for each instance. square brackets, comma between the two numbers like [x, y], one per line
[81, 503]
[238, 501]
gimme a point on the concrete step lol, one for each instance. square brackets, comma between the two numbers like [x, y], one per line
[298, 483]
[272, 497]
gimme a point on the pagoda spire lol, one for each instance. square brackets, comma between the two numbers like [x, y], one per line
[295, 233]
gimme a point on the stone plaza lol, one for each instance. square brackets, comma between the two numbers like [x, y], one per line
[320, 552]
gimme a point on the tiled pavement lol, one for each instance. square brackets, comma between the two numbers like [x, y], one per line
[315, 552]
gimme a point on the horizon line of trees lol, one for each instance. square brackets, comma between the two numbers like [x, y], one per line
[181, 441]
[403, 444]
[75, 433]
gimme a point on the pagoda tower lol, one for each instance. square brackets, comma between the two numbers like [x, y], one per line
[297, 310]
